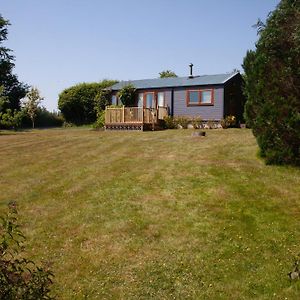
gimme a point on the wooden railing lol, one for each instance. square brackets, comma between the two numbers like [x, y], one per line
[162, 112]
[141, 115]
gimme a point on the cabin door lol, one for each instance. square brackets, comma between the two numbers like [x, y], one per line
[150, 100]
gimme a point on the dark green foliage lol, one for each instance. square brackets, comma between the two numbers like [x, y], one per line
[100, 120]
[272, 85]
[167, 73]
[46, 118]
[77, 103]
[102, 99]
[13, 89]
[127, 95]
[9, 119]
[20, 278]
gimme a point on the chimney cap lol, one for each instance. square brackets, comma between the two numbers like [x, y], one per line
[191, 70]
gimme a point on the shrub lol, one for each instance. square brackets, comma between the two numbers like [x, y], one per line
[46, 118]
[196, 122]
[68, 124]
[181, 121]
[102, 99]
[169, 122]
[77, 103]
[127, 95]
[11, 119]
[100, 122]
[228, 122]
[272, 84]
[20, 278]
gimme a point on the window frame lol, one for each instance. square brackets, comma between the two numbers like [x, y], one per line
[199, 103]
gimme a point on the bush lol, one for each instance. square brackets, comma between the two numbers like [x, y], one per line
[228, 122]
[181, 121]
[20, 278]
[11, 119]
[196, 122]
[77, 103]
[68, 124]
[46, 118]
[169, 122]
[127, 95]
[100, 122]
[272, 84]
[102, 99]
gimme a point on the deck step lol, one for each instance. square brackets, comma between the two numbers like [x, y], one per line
[123, 127]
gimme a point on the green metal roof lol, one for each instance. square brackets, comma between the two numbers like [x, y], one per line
[175, 81]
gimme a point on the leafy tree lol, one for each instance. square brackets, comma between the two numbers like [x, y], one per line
[272, 85]
[77, 103]
[13, 89]
[31, 103]
[3, 99]
[20, 278]
[11, 119]
[127, 95]
[167, 73]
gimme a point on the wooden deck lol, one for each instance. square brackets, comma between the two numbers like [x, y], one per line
[134, 118]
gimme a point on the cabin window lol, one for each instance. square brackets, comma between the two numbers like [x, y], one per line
[199, 97]
[140, 100]
[206, 97]
[161, 99]
[114, 100]
[194, 97]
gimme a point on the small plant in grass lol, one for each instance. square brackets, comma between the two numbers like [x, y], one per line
[20, 278]
[295, 273]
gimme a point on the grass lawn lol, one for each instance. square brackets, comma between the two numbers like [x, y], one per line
[162, 215]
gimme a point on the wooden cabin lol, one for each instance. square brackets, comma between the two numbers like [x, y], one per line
[211, 97]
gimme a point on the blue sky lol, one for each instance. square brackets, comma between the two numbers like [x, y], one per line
[58, 43]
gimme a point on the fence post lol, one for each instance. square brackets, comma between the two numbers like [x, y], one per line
[123, 113]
